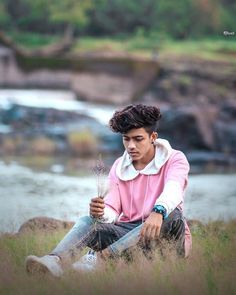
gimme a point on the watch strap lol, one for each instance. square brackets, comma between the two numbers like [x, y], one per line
[161, 210]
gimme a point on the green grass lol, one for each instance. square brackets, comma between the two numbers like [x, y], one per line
[210, 269]
[217, 48]
[147, 46]
[32, 40]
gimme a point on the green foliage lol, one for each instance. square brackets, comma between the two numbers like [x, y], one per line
[70, 11]
[4, 17]
[145, 44]
[32, 40]
[122, 16]
[179, 20]
[175, 20]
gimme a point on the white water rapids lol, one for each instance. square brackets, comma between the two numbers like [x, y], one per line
[61, 100]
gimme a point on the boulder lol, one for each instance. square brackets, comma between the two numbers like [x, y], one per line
[189, 127]
[47, 224]
[44, 224]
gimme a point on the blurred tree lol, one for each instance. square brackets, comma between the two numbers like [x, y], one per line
[206, 17]
[227, 15]
[4, 16]
[21, 16]
[121, 16]
[177, 19]
[70, 12]
[45, 16]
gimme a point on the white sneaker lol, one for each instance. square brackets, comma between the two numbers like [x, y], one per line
[46, 264]
[87, 262]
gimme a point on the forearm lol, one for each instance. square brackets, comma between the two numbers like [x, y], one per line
[171, 196]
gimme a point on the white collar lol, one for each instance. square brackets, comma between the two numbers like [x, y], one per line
[126, 171]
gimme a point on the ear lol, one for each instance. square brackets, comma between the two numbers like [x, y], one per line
[154, 136]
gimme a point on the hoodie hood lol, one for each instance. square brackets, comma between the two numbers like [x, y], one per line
[126, 171]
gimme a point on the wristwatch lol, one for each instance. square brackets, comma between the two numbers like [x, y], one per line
[161, 210]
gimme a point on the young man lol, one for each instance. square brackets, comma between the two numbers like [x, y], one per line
[144, 202]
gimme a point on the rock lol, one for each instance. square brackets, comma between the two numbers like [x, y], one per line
[46, 131]
[207, 135]
[47, 224]
[196, 97]
[189, 127]
[116, 79]
[194, 82]
[225, 136]
[44, 224]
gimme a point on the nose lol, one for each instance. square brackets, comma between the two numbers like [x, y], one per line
[131, 145]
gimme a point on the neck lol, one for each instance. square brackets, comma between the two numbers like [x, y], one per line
[142, 163]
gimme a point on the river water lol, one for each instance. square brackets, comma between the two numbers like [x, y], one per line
[61, 100]
[25, 193]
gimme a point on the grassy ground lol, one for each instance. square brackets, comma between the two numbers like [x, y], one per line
[210, 269]
[220, 48]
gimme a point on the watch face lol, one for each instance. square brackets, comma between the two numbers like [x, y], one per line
[159, 211]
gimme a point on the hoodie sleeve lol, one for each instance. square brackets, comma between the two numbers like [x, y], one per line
[175, 182]
[112, 199]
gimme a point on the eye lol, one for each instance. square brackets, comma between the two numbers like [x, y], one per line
[139, 138]
[125, 138]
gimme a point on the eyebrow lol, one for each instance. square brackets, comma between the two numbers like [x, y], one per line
[136, 136]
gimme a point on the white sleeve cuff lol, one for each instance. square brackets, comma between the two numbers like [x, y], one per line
[171, 196]
[110, 216]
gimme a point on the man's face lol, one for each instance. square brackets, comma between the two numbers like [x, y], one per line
[138, 143]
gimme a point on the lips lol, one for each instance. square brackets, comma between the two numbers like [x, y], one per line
[133, 154]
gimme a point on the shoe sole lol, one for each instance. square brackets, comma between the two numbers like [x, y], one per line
[33, 266]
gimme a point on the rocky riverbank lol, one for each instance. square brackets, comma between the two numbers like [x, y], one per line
[196, 96]
[198, 101]
[51, 123]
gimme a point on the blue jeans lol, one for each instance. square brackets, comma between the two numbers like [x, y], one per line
[87, 232]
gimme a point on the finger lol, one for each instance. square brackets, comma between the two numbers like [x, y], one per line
[153, 233]
[97, 200]
[143, 231]
[148, 233]
[157, 233]
[97, 205]
[142, 235]
[96, 213]
[94, 199]
[96, 210]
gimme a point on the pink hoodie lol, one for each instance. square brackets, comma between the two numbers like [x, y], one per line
[134, 193]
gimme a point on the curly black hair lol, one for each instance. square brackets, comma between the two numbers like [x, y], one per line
[135, 116]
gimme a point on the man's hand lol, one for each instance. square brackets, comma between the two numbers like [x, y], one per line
[151, 227]
[96, 207]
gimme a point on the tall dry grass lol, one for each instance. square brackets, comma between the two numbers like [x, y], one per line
[211, 268]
